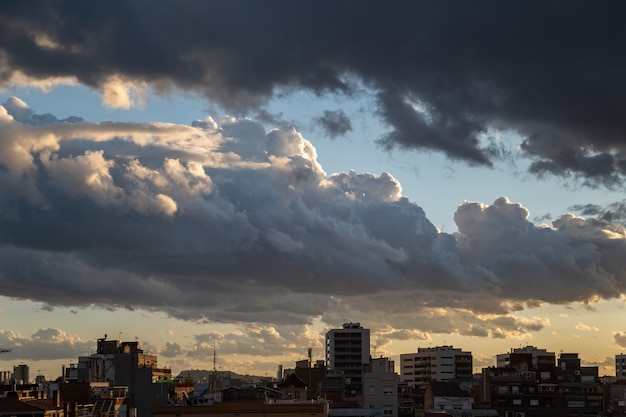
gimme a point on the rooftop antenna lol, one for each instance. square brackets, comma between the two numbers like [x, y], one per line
[214, 357]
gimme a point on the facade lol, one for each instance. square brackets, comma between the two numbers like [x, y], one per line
[5, 377]
[446, 395]
[13, 407]
[314, 379]
[535, 358]
[120, 364]
[293, 388]
[20, 374]
[347, 351]
[531, 387]
[380, 387]
[615, 393]
[579, 386]
[251, 409]
[509, 389]
[620, 367]
[440, 363]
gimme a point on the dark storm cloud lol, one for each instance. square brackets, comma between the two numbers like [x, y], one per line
[225, 222]
[335, 123]
[620, 339]
[610, 214]
[443, 73]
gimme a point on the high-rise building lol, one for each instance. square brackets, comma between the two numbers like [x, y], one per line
[5, 377]
[121, 364]
[620, 366]
[347, 351]
[440, 363]
[20, 374]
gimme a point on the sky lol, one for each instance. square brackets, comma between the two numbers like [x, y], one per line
[232, 179]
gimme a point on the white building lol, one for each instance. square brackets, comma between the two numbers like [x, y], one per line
[440, 363]
[380, 387]
[347, 350]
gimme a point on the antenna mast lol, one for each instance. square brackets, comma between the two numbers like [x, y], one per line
[214, 358]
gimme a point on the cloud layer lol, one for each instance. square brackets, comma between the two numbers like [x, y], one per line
[443, 74]
[226, 222]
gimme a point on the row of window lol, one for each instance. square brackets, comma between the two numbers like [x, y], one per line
[387, 390]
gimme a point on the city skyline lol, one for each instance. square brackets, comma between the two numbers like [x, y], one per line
[281, 366]
[249, 175]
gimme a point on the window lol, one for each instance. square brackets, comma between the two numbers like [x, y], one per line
[388, 390]
[388, 410]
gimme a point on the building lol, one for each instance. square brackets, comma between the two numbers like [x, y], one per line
[579, 386]
[380, 387]
[620, 366]
[13, 407]
[5, 377]
[508, 389]
[524, 381]
[347, 351]
[446, 395]
[122, 364]
[249, 408]
[314, 378]
[440, 363]
[20, 374]
[569, 369]
[529, 357]
[293, 388]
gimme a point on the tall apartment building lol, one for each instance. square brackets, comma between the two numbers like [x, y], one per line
[526, 359]
[347, 351]
[121, 364]
[20, 374]
[440, 363]
[5, 377]
[620, 366]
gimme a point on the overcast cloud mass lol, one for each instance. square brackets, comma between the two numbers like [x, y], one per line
[443, 73]
[226, 222]
[223, 221]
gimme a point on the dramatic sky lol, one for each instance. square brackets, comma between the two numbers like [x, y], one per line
[249, 174]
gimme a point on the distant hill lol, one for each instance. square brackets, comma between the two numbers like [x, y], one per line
[201, 375]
